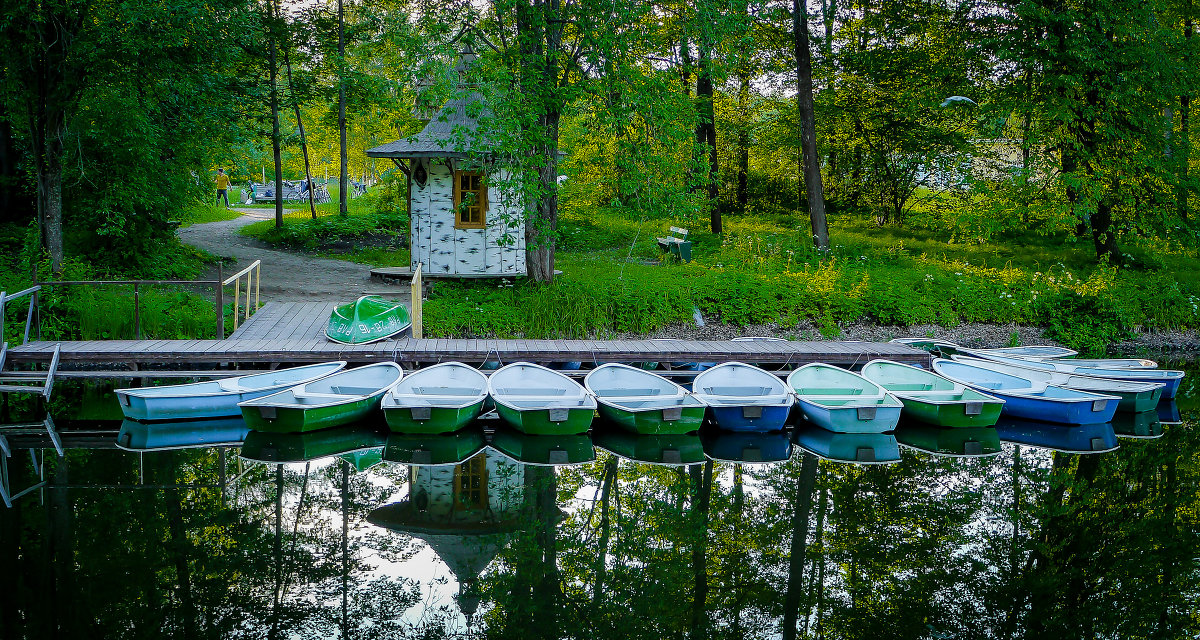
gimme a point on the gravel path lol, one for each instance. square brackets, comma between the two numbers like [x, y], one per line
[285, 276]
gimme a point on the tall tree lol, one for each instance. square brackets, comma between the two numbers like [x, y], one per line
[810, 162]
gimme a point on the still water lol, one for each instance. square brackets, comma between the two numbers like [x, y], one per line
[352, 533]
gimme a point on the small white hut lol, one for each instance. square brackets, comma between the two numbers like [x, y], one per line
[462, 225]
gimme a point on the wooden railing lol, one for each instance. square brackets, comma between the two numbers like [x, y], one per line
[253, 275]
[417, 303]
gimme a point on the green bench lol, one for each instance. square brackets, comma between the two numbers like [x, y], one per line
[677, 244]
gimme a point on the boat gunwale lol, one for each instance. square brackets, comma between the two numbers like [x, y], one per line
[138, 392]
[336, 398]
[1028, 392]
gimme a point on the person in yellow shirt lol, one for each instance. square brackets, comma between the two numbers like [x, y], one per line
[223, 187]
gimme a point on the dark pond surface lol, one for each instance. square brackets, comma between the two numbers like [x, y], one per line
[361, 536]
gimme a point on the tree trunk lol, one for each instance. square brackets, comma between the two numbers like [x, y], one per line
[706, 122]
[179, 546]
[50, 198]
[1185, 141]
[743, 142]
[609, 480]
[801, 508]
[1103, 235]
[343, 161]
[275, 139]
[702, 481]
[287, 63]
[810, 165]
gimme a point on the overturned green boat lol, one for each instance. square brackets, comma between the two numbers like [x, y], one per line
[368, 319]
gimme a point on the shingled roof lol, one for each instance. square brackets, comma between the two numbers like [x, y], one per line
[450, 134]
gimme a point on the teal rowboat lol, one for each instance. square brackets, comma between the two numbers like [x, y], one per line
[262, 446]
[672, 449]
[839, 400]
[367, 319]
[335, 400]
[540, 401]
[440, 399]
[959, 442]
[859, 448]
[932, 399]
[544, 450]
[644, 402]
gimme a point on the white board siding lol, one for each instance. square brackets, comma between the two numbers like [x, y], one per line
[446, 250]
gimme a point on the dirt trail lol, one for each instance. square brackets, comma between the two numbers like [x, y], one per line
[285, 276]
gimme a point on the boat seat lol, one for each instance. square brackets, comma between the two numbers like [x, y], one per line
[532, 391]
[432, 397]
[354, 391]
[909, 386]
[738, 391]
[629, 393]
[445, 391]
[829, 391]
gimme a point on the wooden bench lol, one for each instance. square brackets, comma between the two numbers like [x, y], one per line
[677, 244]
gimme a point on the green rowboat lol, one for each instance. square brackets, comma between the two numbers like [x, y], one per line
[540, 401]
[262, 446]
[434, 449]
[544, 450]
[440, 399]
[671, 450]
[932, 399]
[959, 442]
[339, 399]
[642, 402]
[367, 319]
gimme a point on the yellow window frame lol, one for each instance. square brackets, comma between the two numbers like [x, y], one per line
[470, 214]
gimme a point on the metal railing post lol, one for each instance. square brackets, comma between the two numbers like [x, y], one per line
[220, 300]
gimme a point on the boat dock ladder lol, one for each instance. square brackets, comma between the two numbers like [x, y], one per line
[37, 382]
[7, 494]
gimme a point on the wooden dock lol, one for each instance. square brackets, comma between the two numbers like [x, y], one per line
[293, 332]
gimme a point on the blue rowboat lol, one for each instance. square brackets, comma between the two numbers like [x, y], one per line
[743, 397]
[858, 448]
[1135, 396]
[947, 348]
[724, 446]
[1027, 399]
[1087, 438]
[1167, 377]
[841, 401]
[165, 436]
[214, 398]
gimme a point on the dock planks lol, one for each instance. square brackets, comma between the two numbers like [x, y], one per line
[294, 332]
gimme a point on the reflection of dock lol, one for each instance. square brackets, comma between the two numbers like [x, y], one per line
[294, 332]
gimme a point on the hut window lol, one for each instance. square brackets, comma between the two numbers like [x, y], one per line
[470, 483]
[470, 200]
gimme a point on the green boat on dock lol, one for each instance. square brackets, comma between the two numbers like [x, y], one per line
[932, 399]
[642, 402]
[342, 398]
[440, 399]
[368, 319]
[540, 401]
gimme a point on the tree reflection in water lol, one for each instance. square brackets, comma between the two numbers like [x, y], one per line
[198, 544]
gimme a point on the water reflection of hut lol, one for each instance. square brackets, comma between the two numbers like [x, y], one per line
[464, 512]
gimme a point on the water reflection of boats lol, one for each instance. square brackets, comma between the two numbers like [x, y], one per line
[668, 449]
[863, 448]
[161, 436]
[262, 446]
[363, 459]
[421, 449]
[1168, 412]
[544, 450]
[746, 447]
[1144, 424]
[954, 442]
[1085, 438]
